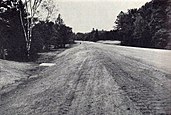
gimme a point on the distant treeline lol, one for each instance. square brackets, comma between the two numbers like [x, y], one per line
[148, 26]
[22, 35]
[96, 35]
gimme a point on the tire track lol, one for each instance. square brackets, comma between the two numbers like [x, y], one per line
[64, 107]
[140, 90]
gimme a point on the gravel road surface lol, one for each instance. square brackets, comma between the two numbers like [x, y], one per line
[96, 79]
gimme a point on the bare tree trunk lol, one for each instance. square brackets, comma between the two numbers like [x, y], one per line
[25, 33]
[30, 5]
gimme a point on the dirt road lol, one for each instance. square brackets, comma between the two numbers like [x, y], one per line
[96, 79]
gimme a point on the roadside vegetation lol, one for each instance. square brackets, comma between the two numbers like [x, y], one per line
[24, 32]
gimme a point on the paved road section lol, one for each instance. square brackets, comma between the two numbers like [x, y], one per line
[96, 79]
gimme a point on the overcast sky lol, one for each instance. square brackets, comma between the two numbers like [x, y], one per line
[83, 15]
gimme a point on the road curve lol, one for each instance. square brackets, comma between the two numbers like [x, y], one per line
[94, 79]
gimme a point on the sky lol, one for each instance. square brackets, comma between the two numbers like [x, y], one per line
[83, 15]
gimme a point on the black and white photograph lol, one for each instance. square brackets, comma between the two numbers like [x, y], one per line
[85, 57]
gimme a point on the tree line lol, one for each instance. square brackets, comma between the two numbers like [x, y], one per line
[148, 26]
[23, 34]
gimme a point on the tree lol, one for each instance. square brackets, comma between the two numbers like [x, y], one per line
[62, 32]
[3, 28]
[161, 37]
[124, 25]
[96, 36]
[31, 7]
[14, 39]
[3, 32]
[42, 36]
[159, 21]
[141, 35]
[142, 32]
[59, 21]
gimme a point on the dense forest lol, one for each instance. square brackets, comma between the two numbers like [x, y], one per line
[148, 26]
[23, 34]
